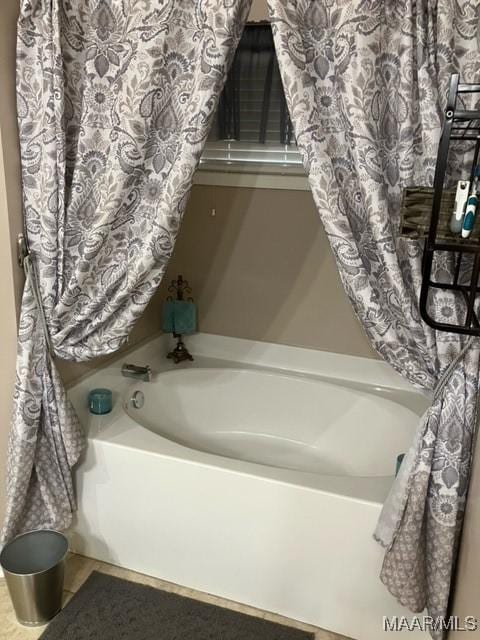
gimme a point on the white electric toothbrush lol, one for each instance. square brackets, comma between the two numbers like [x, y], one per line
[461, 197]
[472, 204]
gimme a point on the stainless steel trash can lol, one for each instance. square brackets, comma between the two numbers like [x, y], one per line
[33, 564]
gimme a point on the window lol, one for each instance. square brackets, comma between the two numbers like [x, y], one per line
[252, 130]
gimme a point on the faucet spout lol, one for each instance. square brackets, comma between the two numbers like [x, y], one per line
[137, 372]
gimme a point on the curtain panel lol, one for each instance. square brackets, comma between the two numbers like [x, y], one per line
[365, 82]
[115, 100]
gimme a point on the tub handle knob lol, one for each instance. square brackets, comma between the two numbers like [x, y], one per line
[138, 399]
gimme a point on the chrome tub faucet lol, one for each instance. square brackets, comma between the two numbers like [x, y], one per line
[137, 372]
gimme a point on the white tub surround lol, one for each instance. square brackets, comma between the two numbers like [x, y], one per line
[256, 473]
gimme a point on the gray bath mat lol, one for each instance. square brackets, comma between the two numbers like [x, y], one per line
[108, 608]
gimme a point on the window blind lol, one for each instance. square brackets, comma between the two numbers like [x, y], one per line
[252, 125]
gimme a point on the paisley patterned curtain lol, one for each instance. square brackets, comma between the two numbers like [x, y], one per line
[365, 82]
[115, 100]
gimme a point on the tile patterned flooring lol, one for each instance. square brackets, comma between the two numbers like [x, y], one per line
[79, 568]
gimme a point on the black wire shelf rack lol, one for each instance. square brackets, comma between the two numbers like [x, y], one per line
[427, 213]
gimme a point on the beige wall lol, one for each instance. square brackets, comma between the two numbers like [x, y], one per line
[261, 268]
[8, 330]
[259, 10]
[8, 126]
[10, 224]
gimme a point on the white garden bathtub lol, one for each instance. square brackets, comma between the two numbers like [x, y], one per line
[256, 473]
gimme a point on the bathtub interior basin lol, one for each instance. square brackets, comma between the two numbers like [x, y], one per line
[277, 419]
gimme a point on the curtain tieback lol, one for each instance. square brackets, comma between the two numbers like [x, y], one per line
[447, 373]
[31, 275]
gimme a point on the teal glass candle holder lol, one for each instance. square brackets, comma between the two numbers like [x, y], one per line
[100, 401]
